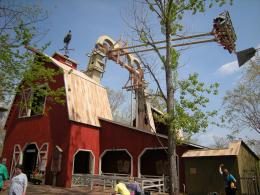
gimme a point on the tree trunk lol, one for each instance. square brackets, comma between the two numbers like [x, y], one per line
[174, 184]
[173, 178]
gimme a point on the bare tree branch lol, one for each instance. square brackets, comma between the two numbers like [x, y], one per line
[146, 65]
[242, 104]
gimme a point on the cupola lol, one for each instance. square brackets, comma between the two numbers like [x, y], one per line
[65, 60]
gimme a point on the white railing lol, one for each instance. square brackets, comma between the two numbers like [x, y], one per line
[153, 185]
[109, 180]
[96, 180]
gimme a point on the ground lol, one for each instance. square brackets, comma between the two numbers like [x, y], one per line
[50, 190]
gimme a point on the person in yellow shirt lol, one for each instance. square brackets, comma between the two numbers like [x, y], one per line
[121, 188]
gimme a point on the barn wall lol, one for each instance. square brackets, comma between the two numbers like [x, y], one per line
[114, 136]
[180, 151]
[83, 137]
[51, 128]
[248, 167]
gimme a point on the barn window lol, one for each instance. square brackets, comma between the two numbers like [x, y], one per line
[116, 162]
[38, 101]
[32, 102]
[83, 162]
[154, 162]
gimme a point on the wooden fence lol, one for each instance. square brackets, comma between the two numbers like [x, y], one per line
[108, 181]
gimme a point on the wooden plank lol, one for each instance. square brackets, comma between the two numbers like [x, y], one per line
[87, 101]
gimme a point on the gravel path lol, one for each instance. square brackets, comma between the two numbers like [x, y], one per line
[50, 190]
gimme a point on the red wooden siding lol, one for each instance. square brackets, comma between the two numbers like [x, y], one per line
[115, 136]
[82, 137]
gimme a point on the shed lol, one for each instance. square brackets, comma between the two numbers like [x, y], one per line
[201, 169]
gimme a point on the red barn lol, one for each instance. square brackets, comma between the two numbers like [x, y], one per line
[80, 136]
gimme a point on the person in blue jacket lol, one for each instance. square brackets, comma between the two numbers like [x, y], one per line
[230, 181]
[134, 186]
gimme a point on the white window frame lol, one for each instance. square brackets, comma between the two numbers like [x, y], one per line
[26, 101]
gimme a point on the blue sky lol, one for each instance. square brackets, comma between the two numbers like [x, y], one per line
[89, 19]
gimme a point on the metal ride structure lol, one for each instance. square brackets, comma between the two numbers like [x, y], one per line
[106, 48]
[224, 32]
[96, 67]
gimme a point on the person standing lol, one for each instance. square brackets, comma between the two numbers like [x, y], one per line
[19, 182]
[3, 177]
[134, 187]
[230, 181]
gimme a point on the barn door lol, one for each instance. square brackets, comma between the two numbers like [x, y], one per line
[42, 157]
[17, 158]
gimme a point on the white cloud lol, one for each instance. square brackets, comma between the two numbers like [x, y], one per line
[228, 69]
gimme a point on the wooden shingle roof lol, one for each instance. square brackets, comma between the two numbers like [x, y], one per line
[86, 99]
[232, 150]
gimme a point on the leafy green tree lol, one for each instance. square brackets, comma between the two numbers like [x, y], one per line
[185, 100]
[19, 68]
[242, 104]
